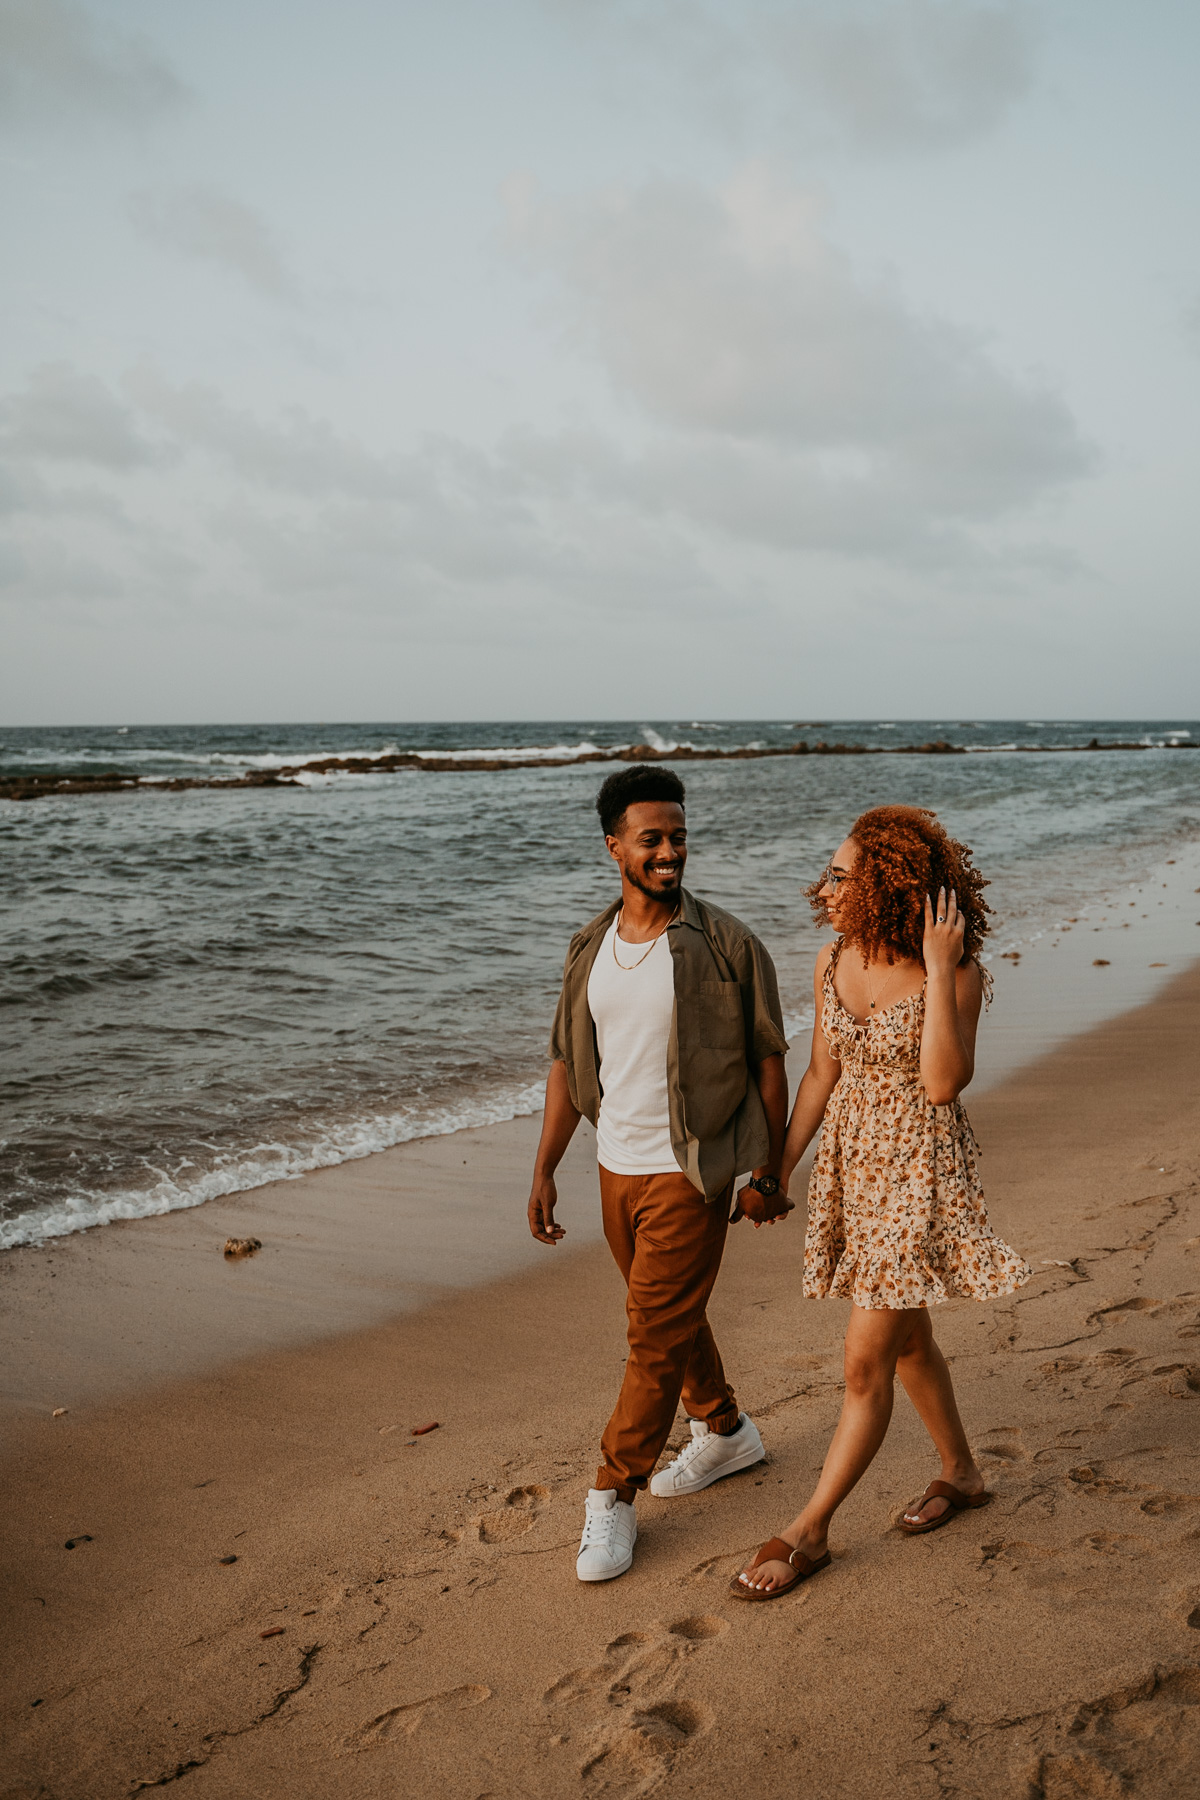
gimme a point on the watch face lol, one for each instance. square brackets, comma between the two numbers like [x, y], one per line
[767, 1185]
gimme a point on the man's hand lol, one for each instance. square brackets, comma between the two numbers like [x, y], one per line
[542, 1202]
[759, 1209]
[558, 1127]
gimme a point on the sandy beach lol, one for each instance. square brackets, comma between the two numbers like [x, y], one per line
[424, 1629]
[484, 489]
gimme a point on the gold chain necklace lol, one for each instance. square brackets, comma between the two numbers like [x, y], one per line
[629, 967]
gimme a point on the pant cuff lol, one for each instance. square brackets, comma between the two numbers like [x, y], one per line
[625, 1490]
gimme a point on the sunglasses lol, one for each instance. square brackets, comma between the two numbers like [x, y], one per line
[832, 879]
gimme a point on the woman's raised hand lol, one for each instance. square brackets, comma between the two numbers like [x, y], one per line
[942, 947]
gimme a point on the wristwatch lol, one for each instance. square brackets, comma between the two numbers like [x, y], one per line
[766, 1185]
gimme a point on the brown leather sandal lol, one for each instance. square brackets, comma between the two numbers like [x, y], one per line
[777, 1550]
[956, 1502]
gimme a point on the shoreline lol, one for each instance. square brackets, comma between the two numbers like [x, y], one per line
[112, 1310]
[424, 1629]
[1047, 989]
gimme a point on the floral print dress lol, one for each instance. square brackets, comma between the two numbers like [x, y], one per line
[896, 1216]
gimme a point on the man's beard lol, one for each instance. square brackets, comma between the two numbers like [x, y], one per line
[668, 893]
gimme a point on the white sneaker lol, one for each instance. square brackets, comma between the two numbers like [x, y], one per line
[707, 1458]
[609, 1534]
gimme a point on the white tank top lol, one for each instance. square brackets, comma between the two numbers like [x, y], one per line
[632, 1008]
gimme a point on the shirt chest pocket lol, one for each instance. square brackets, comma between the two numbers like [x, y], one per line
[721, 1021]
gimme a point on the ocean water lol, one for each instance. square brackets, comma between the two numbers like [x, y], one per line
[204, 990]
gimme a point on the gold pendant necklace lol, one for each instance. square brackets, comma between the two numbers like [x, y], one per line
[870, 987]
[629, 967]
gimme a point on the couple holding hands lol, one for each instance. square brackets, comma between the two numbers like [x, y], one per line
[669, 1038]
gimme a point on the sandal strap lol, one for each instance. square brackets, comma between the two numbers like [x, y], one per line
[774, 1550]
[942, 1490]
[803, 1565]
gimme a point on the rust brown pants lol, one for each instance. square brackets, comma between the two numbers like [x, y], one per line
[668, 1242]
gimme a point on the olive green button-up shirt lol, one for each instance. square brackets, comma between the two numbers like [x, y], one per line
[726, 1020]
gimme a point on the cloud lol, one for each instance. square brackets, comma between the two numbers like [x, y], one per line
[288, 516]
[1191, 323]
[72, 455]
[58, 62]
[214, 227]
[785, 388]
[65, 415]
[318, 511]
[787, 421]
[294, 453]
[881, 75]
[906, 73]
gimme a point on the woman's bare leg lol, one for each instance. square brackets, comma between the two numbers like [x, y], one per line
[926, 1377]
[874, 1341]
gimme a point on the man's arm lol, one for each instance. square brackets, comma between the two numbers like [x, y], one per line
[765, 1047]
[771, 1079]
[558, 1128]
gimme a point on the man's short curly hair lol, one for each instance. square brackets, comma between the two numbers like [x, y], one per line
[904, 854]
[629, 786]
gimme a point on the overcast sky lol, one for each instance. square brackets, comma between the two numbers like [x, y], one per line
[569, 358]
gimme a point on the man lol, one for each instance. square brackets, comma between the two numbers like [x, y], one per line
[669, 1038]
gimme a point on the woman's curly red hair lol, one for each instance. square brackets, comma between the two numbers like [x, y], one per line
[904, 854]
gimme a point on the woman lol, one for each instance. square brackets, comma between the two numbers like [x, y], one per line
[896, 1219]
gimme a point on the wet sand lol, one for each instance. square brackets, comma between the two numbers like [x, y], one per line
[434, 1639]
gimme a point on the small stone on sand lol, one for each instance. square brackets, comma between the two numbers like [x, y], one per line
[242, 1246]
[420, 1430]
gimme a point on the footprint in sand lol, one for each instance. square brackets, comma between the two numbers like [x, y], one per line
[1016, 1552]
[1143, 1739]
[712, 1566]
[1112, 1315]
[402, 1721]
[1003, 1444]
[1116, 1543]
[518, 1513]
[1071, 1376]
[1182, 1306]
[1182, 1379]
[640, 1723]
[1035, 1565]
[1121, 1479]
[641, 1755]
[1085, 1564]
